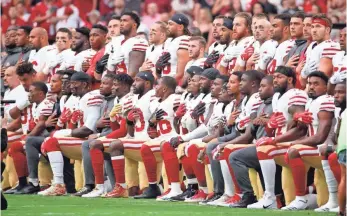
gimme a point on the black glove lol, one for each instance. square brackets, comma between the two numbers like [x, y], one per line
[198, 110]
[211, 59]
[100, 65]
[162, 61]
[175, 141]
[159, 115]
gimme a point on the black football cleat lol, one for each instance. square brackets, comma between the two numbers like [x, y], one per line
[29, 189]
[149, 193]
[213, 198]
[188, 193]
[247, 199]
[14, 190]
[83, 191]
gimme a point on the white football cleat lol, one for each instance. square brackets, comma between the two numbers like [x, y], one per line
[336, 210]
[326, 207]
[97, 192]
[168, 196]
[297, 204]
[54, 190]
[219, 201]
[268, 201]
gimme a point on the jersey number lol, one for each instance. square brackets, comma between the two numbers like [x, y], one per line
[164, 127]
[167, 69]
[121, 68]
[272, 66]
[140, 122]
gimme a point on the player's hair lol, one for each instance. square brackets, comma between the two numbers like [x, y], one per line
[308, 15]
[40, 86]
[124, 78]
[255, 75]
[261, 16]
[65, 30]
[60, 72]
[134, 17]
[220, 17]
[248, 19]
[25, 68]
[319, 74]
[269, 79]
[225, 78]
[26, 29]
[323, 17]
[110, 76]
[284, 17]
[287, 71]
[162, 25]
[201, 40]
[84, 31]
[12, 28]
[195, 31]
[101, 28]
[69, 72]
[170, 82]
[115, 17]
[299, 14]
[238, 74]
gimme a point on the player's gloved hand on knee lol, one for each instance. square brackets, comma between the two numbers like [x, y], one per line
[265, 141]
[175, 141]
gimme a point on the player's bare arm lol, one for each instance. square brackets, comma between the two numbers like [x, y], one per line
[136, 59]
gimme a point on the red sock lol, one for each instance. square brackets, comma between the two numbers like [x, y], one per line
[118, 164]
[187, 166]
[150, 163]
[335, 166]
[97, 158]
[171, 162]
[16, 151]
[226, 155]
[299, 175]
[199, 168]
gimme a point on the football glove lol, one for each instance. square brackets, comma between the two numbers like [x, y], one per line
[162, 61]
[100, 65]
[211, 59]
[305, 117]
[198, 110]
[175, 141]
[265, 141]
[181, 110]
[76, 116]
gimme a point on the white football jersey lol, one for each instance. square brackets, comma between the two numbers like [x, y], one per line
[147, 104]
[315, 52]
[81, 57]
[41, 58]
[195, 62]
[172, 46]
[235, 49]
[15, 94]
[267, 52]
[248, 106]
[216, 47]
[45, 108]
[281, 51]
[340, 62]
[69, 60]
[166, 126]
[132, 44]
[153, 53]
[282, 104]
[322, 103]
[187, 121]
[220, 110]
[90, 105]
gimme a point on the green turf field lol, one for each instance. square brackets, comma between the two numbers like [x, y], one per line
[35, 205]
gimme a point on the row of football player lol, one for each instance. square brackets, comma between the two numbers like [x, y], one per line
[143, 126]
[299, 41]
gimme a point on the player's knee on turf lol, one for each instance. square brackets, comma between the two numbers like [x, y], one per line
[116, 148]
[293, 153]
[96, 144]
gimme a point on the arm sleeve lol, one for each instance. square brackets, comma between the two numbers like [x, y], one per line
[328, 105]
[199, 132]
[298, 99]
[120, 132]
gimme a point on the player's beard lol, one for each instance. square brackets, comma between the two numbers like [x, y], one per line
[139, 90]
[281, 89]
[11, 46]
[77, 47]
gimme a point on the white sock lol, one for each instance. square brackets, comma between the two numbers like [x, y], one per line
[57, 165]
[34, 181]
[210, 170]
[331, 181]
[268, 168]
[229, 188]
[192, 181]
[301, 197]
[123, 185]
[204, 189]
[176, 187]
[100, 186]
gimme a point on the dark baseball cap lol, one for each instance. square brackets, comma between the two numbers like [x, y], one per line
[180, 19]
